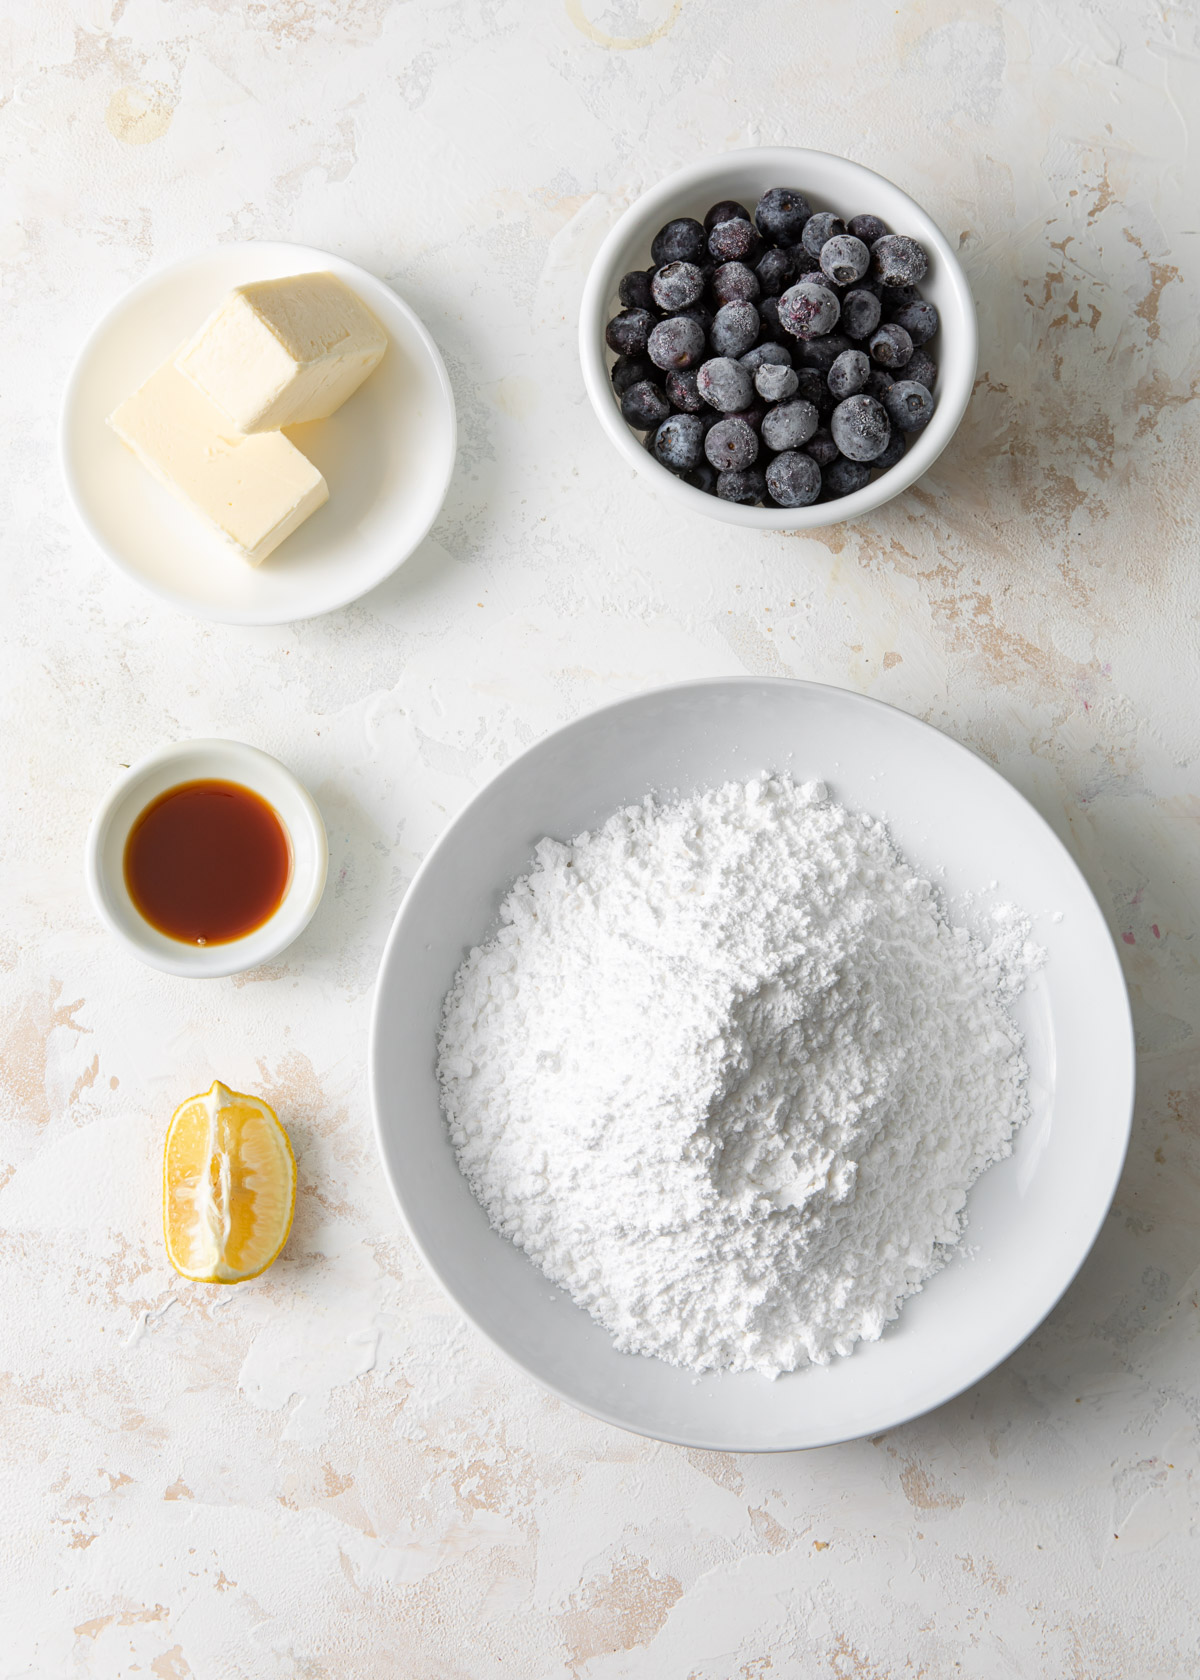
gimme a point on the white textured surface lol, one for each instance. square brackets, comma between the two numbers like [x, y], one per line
[325, 1473]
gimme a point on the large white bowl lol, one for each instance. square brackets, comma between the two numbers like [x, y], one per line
[830, 183]
[387, 454]
[1032, 1218]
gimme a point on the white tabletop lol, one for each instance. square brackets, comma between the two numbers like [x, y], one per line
[326, 1472]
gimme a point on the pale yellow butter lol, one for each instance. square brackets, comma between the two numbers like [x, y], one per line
[279, 352]
[255, 489]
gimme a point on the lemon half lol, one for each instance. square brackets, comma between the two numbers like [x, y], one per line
[229, 1186]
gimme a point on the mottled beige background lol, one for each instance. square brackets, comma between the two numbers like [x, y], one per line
[326, 1473]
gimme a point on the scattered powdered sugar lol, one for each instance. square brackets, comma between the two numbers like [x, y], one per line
[726, 1073]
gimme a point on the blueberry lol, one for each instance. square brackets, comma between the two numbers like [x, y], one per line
[879, 382]
[629, 332]
[676, 342]
[789, 424]
[728, 210]
[683, 391]
[808, 311]
[898, 260]
[897, 444]
[734, 329]
[628, 370]
[822, 447]
[919, 320]
[677, 285]
[775, 271]
[909, 405]
[768, 319]
[897, 297]
[821, 353]
[704, 478]
[731, 241]
[733, 282]
[775, 384]
[921, 367]
[847, 375]
[860, 428]
[682, 240]
[746, 486]
[644, 405]
[694, 312]
[781, 215]
[634, 290]
[818, 228]
[725, 384]
[778, 355]
[842, 477]
[794, 480]
[753, 416]
[867, 228]
[731, 445]
[844, 259]
[812, 386]
[679, 443]
[890, 346]
[860, 313]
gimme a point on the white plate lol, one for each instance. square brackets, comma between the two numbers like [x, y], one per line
[1032, 1218]
[387, 454]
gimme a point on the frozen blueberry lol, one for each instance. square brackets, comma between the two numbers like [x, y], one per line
[781, 215]
[682, 240]
[898, 260]
[860, 313]
[627, 370]
[822, 447]
[734, 329]
[683, 391]
[879, 382]
[821, 353]
[644, 405]
[753, 416]
[768, 321]
[844, 259]
[921, 367]
[890, 346]
[919, 320]
[634, 290]
[775, 271]
[747, 486]
[701, 316]
[677, 285]
[813, 387]
[897, 297]
[676, 342]
[731, 445]
[897, 444]
[733, 282]
[628, 333]
[793, 479]
[789, 424]
[679, 443]
[867, 228]
[909, 405]
[733, 240]
[777, 354]
[725, 384]
[808, 311]
[704, 477]
[842, 477]
[775, 384]
[728, 210]
[821, 226]
[847, 375]
[860, 428]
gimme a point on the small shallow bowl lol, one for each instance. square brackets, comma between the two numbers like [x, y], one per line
[830, 183]
[1032, 1217]
[191, 761]
[387, 454]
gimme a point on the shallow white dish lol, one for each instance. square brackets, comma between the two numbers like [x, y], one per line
[193, 761]
[830, 183]
[387, 454]
[1032, 1217]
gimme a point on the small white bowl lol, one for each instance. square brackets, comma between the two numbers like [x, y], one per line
[191, 761]
[387, 454]
[830, 183]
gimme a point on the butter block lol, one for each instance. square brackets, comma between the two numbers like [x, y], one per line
[255, 489]
[280, 352]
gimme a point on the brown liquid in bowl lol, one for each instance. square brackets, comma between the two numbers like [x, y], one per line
[207, 862]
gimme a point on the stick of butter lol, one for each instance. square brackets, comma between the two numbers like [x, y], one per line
[256, 490]
[279, 352]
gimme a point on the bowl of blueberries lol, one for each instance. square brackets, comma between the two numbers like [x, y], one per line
[778, 330]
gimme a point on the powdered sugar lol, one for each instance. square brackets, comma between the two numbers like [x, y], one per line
[726, 1073]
